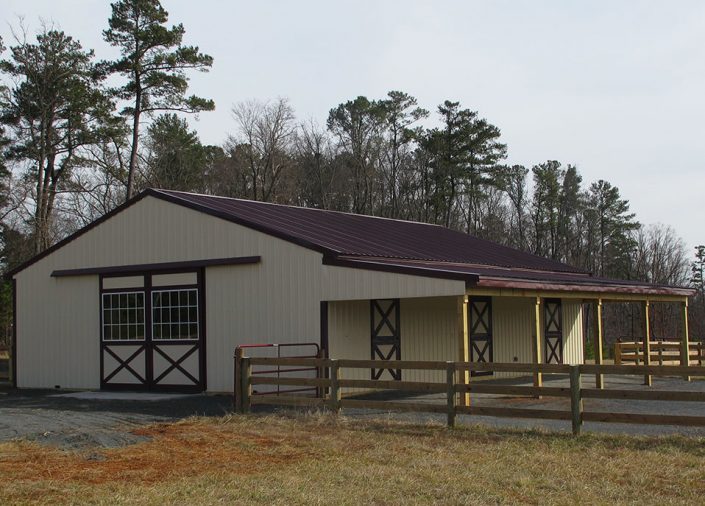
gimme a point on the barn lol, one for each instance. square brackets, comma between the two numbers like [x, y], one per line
[157, 294]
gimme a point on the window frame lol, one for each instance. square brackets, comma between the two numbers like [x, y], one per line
[103, 324]
[175, 289]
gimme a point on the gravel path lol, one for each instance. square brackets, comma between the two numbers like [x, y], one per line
[595, 405]
[101, 419]
[77, 423]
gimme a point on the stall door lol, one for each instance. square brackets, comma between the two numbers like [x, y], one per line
[152, 338]
[553, 331]
[480, 325]
[385, 336]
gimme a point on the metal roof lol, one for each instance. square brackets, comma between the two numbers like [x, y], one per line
[385, 244]
[358, 235]
[415, 248]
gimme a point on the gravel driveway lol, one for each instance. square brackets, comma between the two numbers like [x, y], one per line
[89, 419]
[104, 419]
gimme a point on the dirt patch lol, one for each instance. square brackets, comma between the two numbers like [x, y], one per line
[172, 451]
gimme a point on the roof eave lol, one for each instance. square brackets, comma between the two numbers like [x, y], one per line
[604, 288]
[468, 278]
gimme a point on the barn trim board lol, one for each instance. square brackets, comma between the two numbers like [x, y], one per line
[268, 273]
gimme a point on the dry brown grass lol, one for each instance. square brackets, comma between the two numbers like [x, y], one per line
[318, 459]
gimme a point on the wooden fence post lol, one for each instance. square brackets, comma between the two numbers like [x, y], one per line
[10, 373]
[685, 340]
[320, 391]
[245, 387]
[618, 353]
[647, 340]
[576, 401]
[598, 341]
[660, 352]
[450, 393]
[237, 389]
[537, 342]
[335, 386]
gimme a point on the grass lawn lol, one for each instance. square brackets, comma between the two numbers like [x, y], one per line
[318, 459]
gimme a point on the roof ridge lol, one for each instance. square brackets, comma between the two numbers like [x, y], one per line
[291, 206]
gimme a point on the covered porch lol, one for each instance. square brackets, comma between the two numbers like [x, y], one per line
[502, 325]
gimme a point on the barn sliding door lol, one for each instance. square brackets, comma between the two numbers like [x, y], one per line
[123, 340]
[553, 331]
[480, 326]
[152, 335]
[175, 338]
[385, 336]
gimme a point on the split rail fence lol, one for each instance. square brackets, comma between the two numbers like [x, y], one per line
[5, 364]
[329, 384]
[661, 352]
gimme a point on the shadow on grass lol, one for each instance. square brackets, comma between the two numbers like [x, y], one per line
[478, 433]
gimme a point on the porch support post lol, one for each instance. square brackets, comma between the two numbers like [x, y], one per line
[536, 345]
[647, 340]
[463, 346]
[597, 340]
[685, 343]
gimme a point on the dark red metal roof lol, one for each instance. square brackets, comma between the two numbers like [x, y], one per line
[500, 277]
[357, 235]
[368, 242]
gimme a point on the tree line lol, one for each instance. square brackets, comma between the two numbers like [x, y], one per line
[79, 136]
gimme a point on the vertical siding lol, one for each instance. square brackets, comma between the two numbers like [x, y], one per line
[513, 330]
[428, 332]
[274, 301]
[572, 331]
[58, 333]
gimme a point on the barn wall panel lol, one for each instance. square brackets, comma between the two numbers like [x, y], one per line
[572, 332]
[428, 332]
[276, 300]
[513, 330]
[58, 327]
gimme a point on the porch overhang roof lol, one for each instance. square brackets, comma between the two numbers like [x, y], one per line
[495, 278]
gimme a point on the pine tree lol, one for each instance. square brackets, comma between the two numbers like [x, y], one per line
[154, 62]
[57, 107]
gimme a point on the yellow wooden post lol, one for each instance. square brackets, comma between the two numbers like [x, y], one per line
[463, 346]
[536, 345]
[685, 344]
[598, 340]
[647, 339]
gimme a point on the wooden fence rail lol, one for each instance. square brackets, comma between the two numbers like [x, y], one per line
[329, 385]
[661, 353]
[5, 364]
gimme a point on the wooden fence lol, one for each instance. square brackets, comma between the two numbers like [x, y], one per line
[5, 365]
[330, 382]
[662, 353]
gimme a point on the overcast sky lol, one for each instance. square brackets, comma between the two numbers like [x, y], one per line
[614, 87]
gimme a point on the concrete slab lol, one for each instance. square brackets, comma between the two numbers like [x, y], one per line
[124, 396]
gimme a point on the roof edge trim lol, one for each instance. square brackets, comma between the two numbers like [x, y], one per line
[152, 192]
[571, 286]
[470, 279]
[156, 267]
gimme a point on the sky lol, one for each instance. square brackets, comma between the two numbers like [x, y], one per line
[615, 87]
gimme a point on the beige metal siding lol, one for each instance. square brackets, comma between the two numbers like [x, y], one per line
[572, 332]
[428, 332]
[123, 282]
[513, 330]
[344, 283]
[274, 301]
[181, 278]
[57, 331]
